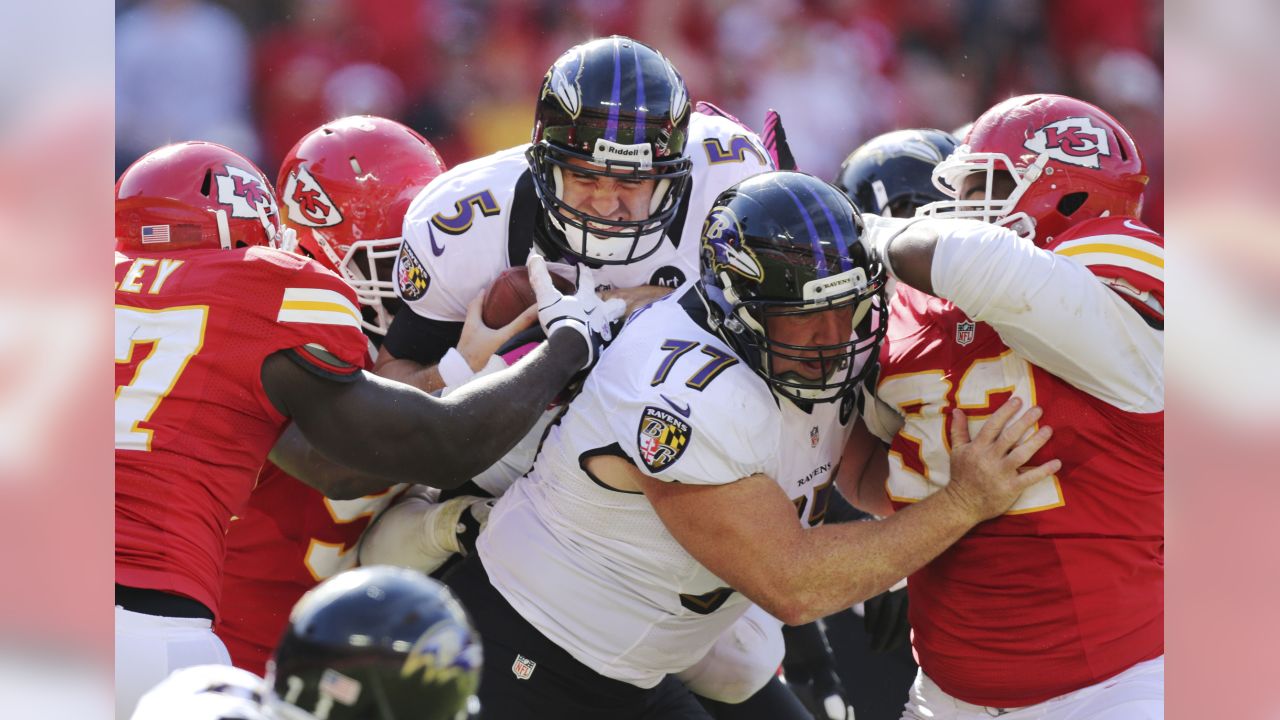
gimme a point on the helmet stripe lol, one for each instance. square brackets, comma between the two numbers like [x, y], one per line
[845, 263]
[638, 137]
[819, 256]
[615, 100]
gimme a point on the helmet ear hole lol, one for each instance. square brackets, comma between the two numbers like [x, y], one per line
[207, 185]
[1071, 202]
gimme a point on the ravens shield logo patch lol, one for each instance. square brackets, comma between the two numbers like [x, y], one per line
[662, 438]
[410, 275]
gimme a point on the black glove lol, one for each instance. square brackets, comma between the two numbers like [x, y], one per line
[809, 668]
[885, 620]
[822, 694]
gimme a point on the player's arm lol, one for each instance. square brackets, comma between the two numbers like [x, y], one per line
[416, 349]
[395, 431]
[1049, 309]
[864, 468]
[294, 454]
[746, 531]
[405, 435]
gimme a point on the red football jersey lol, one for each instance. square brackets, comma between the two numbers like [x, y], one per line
[1067, 588]
[193, 423]
[287, 539]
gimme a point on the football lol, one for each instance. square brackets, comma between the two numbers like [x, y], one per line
[511, 293]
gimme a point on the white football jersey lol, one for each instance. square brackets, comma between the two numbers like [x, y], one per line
[207, 692]
[594, 568]
[476, 220]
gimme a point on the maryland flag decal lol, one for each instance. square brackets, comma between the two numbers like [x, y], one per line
[410, 275]
[662, 438]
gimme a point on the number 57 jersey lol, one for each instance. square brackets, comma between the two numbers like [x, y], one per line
[193, 424]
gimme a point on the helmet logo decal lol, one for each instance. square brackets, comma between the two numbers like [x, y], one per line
[244, 193]
[723, 234]
[679, 95]
[444, 654]
[562, 82]
[1074, 140]
[307, 202]
[662, 438]
[412, 280]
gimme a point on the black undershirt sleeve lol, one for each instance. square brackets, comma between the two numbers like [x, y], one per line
[413, 337]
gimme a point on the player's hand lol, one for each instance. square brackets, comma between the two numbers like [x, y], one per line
[583, 312]
[479, 342]
[987, 473]
[878, 230]
[885, 620]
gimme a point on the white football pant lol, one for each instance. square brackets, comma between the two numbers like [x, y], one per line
[149, 647]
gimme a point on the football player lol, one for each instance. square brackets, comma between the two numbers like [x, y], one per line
[619, 174]
[344, 189]
[889, 175]
[376, 643]
[220, 341]
[690, 477]
[621, 170]
[1055, 608]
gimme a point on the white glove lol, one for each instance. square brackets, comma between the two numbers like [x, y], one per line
[878, 231]
[583, 311]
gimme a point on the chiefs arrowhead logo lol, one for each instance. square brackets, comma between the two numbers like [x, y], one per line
[244, 193]
[1072, 140]
[307, 202]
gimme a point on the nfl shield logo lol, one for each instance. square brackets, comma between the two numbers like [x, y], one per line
[964, 332]
[813, 437]
[523, 667]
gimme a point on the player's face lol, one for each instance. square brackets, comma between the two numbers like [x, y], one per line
[811, 331]
[974, 186]
[608, 197]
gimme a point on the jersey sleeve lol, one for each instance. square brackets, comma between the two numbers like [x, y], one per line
[318, 321]
[726, 431]
[1052, 310]
[455, 234]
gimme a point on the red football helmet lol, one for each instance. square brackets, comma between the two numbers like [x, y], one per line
[1070, 161]
[194, 195]
[345, 188]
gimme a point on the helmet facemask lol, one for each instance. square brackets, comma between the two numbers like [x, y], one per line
[950, 176]
[840, 366]
[603, 240]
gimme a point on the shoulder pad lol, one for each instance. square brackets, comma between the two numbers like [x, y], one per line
[1125, 255]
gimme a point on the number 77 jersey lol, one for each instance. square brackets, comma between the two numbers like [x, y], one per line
[193, 424]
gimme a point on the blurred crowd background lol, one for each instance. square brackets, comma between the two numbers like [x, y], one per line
[65, 59]
[258, 74]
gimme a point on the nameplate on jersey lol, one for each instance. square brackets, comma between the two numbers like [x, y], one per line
[639, 155]
[662, 439]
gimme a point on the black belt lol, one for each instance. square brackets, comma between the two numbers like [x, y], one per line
[160, 603]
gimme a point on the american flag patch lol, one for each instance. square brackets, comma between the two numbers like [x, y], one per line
[342, 688]
[155, 234]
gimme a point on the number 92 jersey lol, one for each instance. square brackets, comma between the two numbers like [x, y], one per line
[594, 568]
[478, 219]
